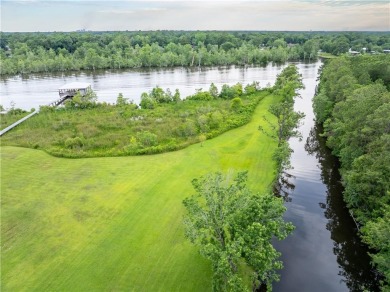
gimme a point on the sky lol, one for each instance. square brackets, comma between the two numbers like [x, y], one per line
[270, 15]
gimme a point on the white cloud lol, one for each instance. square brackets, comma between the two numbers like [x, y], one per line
[193, 15]
[154, 9]
[113, 11]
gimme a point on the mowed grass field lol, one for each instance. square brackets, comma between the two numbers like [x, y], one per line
[115, 224]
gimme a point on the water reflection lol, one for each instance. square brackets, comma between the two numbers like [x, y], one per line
[33, 90]
[350, 251]
[284, 186]
[324, 252]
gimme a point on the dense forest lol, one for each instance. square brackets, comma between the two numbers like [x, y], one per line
[353, 103]
[48, 52]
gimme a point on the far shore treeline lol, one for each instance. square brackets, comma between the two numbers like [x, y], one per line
[22, 53]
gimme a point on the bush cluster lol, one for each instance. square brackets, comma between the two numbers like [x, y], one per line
[86, 128]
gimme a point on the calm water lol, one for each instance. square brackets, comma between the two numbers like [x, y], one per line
[31, 91]
[324, 253]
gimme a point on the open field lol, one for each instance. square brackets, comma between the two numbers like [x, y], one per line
[115, 224]
[325, 55]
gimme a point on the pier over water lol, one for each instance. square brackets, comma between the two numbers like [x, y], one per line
[65, 92]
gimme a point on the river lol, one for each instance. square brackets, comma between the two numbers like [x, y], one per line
[324, 253]
[33, 90]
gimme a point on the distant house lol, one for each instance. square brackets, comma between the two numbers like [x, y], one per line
[70, 89]
[353, 53]
[386, 51]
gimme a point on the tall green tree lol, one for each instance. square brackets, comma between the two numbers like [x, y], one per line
[287, 84]
[232, 225]
[287, 121]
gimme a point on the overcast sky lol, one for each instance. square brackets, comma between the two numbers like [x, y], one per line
[70, 15]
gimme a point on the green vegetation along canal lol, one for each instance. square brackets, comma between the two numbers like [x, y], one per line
[324, 253]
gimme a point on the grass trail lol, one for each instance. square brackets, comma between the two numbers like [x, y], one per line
[115, 224]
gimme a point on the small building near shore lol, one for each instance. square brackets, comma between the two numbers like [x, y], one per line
[70, 89]
[353, 53]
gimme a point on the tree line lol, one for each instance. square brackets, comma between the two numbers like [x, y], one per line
[49, 52]
[353, 104]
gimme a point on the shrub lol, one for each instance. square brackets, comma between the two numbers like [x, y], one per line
[132, 146]
[147, 139]
[252, 88]
[72, 143]
[236, 104]
[229, 92]
[201, 95]
[216, 119]
[159, 95]
[89, 100]
[147, 102]
[213, 90]
[16, 111]
[176, 96]
[188, 129]
[237, 89]
[226, 92]
[203, 123]
[120, 100]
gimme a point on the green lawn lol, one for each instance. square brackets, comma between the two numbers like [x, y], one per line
[115, 224]
[325, 55]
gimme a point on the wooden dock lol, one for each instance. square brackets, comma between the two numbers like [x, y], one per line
[59, 101]
[54, 103]
[66, 92]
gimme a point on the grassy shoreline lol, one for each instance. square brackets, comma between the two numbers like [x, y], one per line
[107, 131]
[115, 223]
[8, 119]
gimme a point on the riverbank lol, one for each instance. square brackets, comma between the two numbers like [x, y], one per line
[97, 130]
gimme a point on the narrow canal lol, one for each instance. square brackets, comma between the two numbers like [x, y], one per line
[324, 253]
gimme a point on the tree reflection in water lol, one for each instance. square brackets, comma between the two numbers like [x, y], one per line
[283, 187]
[352, 254]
